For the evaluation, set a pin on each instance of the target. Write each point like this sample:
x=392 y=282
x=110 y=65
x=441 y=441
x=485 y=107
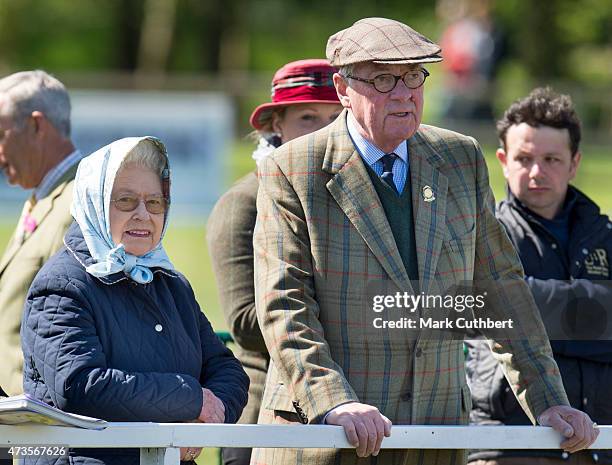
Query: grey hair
x=30 y=91
x=148 y=154
x=346 y=70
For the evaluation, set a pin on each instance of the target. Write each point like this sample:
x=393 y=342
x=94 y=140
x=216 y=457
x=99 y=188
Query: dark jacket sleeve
x=575 y=312
x=222 y=373
x=550 y=294
x=59 y=334
x=230 y=243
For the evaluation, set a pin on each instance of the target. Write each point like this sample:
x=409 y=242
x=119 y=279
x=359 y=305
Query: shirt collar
x=368 y=150
x=54 y=174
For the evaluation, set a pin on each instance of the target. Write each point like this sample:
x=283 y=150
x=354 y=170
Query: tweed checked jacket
x=18 y=267
x=322 y=238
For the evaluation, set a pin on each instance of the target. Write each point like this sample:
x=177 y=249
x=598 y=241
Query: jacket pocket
x=457 y=256
x=461 y=242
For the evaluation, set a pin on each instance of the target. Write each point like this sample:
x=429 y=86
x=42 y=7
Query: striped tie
x=387 y=175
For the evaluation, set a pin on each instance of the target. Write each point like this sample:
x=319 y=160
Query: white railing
x=159 y=443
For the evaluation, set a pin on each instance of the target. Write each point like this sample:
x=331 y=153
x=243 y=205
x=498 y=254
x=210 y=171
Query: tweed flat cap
x=380 y=40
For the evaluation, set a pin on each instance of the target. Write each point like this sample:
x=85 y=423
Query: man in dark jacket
x=564 y=243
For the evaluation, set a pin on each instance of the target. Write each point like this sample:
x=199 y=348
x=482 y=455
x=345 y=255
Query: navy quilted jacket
x=114 y=349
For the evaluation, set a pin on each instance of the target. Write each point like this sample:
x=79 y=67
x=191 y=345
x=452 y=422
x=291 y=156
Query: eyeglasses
x=154 y=205
x=385 y=83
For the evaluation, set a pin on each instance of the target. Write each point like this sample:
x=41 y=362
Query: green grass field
x=186 y=245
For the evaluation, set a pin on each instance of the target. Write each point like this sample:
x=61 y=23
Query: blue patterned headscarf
x=91 y=205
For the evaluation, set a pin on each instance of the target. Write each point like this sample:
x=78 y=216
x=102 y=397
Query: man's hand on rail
x=363 y=425
x=574 y=424
x=213 y=410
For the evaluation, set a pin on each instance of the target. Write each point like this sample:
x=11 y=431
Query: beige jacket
x=21 y=261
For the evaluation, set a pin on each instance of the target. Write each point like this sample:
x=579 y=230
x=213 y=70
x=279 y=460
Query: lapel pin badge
x=428 y=194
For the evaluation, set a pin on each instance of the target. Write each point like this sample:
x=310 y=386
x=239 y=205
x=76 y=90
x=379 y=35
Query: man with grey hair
x=36 y=153
x=377 y=200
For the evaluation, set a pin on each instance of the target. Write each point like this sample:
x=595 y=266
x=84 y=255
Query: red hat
x=303 y=81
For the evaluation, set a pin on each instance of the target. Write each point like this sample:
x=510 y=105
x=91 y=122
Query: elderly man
x=35 y=153
x=377 y=197
x=565 y=245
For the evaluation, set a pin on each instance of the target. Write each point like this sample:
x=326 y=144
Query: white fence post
x=160 y=456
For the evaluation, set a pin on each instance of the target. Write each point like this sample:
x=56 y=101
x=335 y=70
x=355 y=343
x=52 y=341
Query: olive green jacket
x=229 y=234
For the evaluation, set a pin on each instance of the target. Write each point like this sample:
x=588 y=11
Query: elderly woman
x=110 y=329
x=303 y=100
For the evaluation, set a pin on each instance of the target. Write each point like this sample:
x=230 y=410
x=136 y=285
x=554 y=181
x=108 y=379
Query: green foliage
x=551 y=38
x=566 y=43
x=65 y=35
x=58 y=34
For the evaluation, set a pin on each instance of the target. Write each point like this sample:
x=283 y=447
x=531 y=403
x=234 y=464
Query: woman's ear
x=277 y=124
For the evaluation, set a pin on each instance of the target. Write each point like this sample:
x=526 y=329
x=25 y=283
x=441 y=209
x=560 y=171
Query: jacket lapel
x=352 y=189
x=429 y=192
x=38 y=214
x=11 y=249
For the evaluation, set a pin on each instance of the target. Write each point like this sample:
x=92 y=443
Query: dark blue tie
x=387 y=175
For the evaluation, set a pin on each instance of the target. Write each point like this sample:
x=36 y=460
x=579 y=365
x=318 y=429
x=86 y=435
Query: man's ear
x=503 y=160
x=39 y=122
x=341 y=88
x=574 y=164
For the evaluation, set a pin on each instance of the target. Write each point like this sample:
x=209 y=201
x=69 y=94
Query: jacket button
x=585 y=251
x=553 y=246
x=609 y=226
x=158 y=328
x=406 y=396
x=419 y=352
x=301 y=415
x=564 y=455
x=585 y=401
x=595 y=457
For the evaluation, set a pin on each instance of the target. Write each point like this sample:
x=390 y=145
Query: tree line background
x=235 y=45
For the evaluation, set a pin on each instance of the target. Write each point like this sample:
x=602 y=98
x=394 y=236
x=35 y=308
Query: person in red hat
x=303 y=100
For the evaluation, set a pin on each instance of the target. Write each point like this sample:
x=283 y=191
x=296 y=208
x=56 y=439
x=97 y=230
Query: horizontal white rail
x=174 y=435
